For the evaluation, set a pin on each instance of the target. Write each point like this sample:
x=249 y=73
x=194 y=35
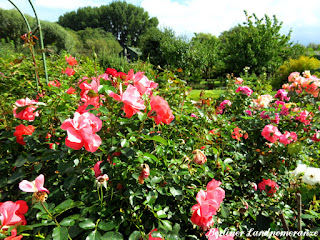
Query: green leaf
x=142 y=117
x=67 y=222
x=20 y=161
x=161 y=214
x=113 y=236
x=224 y=211
x=153 y=157
x=60 y=233
x=64 y=206
x=124 y=143
x=106 y=226
x=166 y=225
x=136 y=235
x=87 y=224
x=16 y=176
x=159 y=139
x=175 y=192
x=94 y=235
x=307 y=216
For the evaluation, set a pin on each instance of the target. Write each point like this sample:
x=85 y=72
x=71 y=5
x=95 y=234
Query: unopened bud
x=199 y=157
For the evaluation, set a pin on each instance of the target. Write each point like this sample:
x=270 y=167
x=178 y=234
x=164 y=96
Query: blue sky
x=186 y=17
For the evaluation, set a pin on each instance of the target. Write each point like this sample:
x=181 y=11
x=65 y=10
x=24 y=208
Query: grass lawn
x=195 y=94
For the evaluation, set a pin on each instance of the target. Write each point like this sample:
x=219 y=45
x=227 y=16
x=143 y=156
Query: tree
x=257 y=44
x=125 y=21
x=205 y=54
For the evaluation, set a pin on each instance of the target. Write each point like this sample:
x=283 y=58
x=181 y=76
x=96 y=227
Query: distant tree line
x=125 y=21
x=256 y=43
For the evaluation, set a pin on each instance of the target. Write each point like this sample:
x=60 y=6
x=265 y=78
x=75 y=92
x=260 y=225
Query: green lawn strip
x=195 y=94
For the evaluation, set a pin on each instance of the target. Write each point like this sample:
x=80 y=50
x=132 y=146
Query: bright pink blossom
x=288 y=137
x=245 y=90
x=89 y=93
x=68 y=71
x=12 y=214
x=224 y=103
x=71 y=60
x=193 y=115
x=82 y=131
x=269 y=186
x=282 y=95
x=271 y=133
x=34 y=186
x=131 y=99
x=160 y=110
x=25 y=108
x=249 y=112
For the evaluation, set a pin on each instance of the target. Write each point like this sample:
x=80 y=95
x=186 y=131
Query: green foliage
x=257 y=44
x=125 y=21
x=294 y=65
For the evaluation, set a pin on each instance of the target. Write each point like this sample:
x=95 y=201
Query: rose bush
x=120 y=154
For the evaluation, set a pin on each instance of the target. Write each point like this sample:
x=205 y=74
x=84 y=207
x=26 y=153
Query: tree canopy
x=257 y=44
x=125 y=21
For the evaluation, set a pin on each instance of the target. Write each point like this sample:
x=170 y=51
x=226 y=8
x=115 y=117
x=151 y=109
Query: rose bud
x=199 y=157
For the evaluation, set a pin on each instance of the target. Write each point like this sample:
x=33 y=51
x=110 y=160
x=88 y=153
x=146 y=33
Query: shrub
x=294 y=65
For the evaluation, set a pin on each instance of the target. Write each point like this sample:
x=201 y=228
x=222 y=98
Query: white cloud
x=67 y=4
x=217 y=16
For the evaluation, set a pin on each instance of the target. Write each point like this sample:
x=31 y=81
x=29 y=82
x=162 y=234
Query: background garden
x=116 y=129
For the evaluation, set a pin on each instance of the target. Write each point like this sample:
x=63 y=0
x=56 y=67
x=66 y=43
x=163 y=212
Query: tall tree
x=125 y=21
x=257 y=44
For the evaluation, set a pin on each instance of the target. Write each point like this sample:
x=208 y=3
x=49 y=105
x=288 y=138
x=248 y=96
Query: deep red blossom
x=23 y=130
x=269 y=186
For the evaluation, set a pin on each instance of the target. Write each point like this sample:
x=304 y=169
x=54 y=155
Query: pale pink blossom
x=34 y=186
x=238 y=81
